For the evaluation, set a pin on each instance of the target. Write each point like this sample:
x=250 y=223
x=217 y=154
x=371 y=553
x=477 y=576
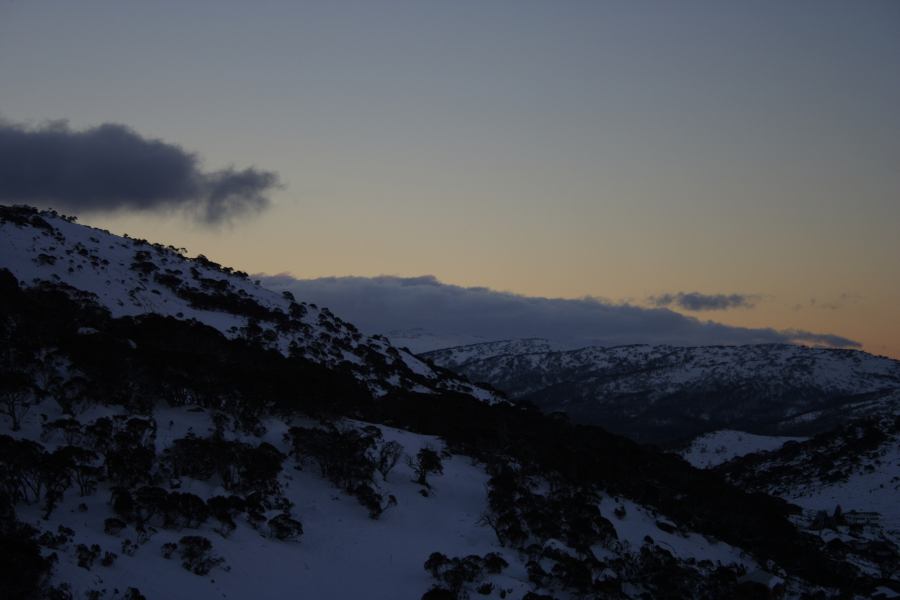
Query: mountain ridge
x=667 y=393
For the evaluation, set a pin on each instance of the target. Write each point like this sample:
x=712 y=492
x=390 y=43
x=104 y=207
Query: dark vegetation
x=455 y=575
x=348 y=458
x=24 y=570
x=428 y=462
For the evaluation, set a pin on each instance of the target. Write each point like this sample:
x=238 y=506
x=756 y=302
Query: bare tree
x=16 y=397
x=388 y=456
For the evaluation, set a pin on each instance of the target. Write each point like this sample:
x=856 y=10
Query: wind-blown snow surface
x=133 y=277
x=713 y=449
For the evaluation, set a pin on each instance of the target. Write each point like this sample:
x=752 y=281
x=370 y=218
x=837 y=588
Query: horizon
x=731 y=163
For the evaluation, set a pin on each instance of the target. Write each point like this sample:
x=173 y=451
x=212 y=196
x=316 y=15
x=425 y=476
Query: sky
x=730 y=161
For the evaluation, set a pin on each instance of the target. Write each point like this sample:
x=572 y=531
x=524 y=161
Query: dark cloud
x=449 y=312
x=111 y=168
x=696 y=301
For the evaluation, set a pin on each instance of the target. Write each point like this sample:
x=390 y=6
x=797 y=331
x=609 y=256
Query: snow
x=342 y=554
x=834 y=371
x=456 y=356
x=876 y=490
x=416 y=365
x=640 y=522
x=712 y=449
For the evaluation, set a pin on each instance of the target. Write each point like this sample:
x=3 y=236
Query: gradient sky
x=614 y=149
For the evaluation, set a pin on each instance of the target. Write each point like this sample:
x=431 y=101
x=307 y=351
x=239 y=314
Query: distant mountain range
x=666 y=394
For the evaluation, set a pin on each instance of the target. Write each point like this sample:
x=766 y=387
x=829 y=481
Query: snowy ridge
x=418 y=340
x=133 y=277
x=459 y=356
x=666 y=393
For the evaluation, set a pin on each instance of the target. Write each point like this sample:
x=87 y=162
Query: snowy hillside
x=713 y=449
x=459 y=356
x=856 y=467
x=667 y=393
x=168 y=429
x=385 y=556
x=133 y=277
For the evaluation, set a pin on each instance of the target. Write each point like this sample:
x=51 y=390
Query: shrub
x=168 y=549
x=87 y=555
x=113 y=526
x=455 y=573
x=129 y=548
x=388 y=456
x=284 y=527
x=428 y=461
x=196 y=554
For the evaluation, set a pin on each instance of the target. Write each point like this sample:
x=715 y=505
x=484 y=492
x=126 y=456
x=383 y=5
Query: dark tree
x=428 y=461
x=388 y=456
x=23 y=571
x=17 y=396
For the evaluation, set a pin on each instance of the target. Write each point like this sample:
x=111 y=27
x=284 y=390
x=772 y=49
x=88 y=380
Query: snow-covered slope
x=856 y=467
x=713 y=449
x=342 y=553
x=457 y=357
x=168 y=429
x=133 y=277
x=666 y=393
